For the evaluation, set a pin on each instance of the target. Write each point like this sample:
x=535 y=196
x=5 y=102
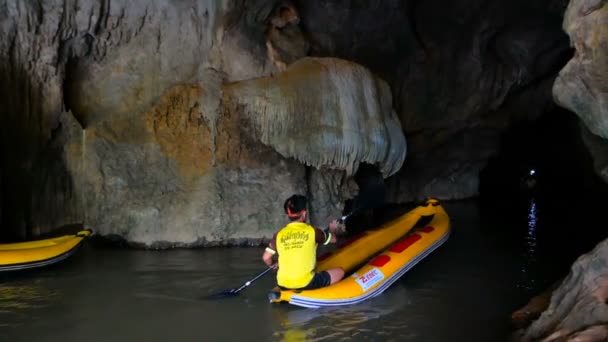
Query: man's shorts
x=320 y=279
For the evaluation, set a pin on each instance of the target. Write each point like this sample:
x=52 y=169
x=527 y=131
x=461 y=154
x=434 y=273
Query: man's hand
x=336 y=227
x=267 y=257
x=341 y=227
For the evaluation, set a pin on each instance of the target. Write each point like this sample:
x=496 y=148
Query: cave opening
x=545 y=158
x=542 y=196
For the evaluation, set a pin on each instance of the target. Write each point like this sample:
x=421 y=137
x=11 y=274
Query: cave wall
x=460 y=73
x=598 y=148
x=124 y=125
x=582 y=85
x=112 y=117
x=142 y=120
x=575 y=308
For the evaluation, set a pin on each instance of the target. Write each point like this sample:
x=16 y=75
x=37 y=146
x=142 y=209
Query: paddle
x=359 y=206
x=345 y=217
x=235 y=291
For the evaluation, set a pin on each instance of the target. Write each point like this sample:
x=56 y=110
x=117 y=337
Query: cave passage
x=545 y=158
x=542 y=191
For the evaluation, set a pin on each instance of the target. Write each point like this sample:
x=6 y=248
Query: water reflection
x=463 y=292
x=528 y=277
x=340 y=323
x=17 y=302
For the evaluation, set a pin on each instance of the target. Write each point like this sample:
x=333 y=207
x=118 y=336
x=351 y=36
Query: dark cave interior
x=543 y=190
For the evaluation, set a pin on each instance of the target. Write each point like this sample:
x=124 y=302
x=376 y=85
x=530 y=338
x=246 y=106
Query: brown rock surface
x=577 y=310
x=114 y=112
x=132 y=74
x=163 y=180
x=582 y=85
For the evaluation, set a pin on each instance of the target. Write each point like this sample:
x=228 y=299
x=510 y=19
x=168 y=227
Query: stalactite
x=325 y=112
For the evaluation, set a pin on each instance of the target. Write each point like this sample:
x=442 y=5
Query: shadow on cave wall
x=35 y=188
x=16 y=146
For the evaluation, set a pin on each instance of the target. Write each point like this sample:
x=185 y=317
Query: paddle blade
x=223 y=294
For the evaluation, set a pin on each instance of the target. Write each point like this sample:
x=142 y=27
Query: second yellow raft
x=39 y=253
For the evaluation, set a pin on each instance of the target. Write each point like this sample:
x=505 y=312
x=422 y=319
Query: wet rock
x=581 y=85
x=577 y=310
x=524 y=316
x=598 y=148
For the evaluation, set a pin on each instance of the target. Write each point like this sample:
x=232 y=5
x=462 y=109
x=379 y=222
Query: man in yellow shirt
x=296 y=248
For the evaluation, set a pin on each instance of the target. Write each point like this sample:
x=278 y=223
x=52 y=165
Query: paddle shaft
x=252 y=280
x=343 y=218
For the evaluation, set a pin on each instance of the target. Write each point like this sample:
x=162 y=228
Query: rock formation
x=582 y=85
x=127 y=129
x=577 y=310
x=173 y=177
x=328 y=113
x=324 y=112
x=139 y=89
x=598 y=149
x=184 y=123
x=460 y=72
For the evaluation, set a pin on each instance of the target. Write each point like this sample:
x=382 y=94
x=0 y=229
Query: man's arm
x=270 y=252
x=268 y=259
x=335 y=229
x=329 y=235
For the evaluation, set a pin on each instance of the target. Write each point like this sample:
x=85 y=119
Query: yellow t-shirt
x=296 y=245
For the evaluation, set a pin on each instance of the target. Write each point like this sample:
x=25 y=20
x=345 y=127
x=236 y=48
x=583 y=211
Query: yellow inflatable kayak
x=390 y=251
x=38 y=253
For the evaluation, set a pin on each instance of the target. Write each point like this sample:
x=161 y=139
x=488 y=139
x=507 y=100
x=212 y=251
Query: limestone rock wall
x=174 y=183
x=460 y=73
x=577 y=309
x=582 y=85
x=115 y=117
x=325 y=112
x=598 y=148
x=158 y=120
x=112 y=117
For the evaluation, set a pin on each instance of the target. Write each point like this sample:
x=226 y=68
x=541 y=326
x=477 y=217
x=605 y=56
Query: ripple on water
x=363 y=321
x=17 y=301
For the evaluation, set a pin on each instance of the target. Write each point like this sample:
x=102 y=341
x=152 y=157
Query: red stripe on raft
x=405 y=243
x=380 y=260
x=427 y=229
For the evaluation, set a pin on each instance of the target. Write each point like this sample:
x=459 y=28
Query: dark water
x=466 y=290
